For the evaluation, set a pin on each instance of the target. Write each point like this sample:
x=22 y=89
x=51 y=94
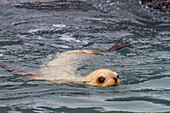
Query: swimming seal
x=62 y=69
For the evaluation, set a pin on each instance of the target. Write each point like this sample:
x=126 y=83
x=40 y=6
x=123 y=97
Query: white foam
x=62 y=46
x=59 y=25
x=85 y=41
x=68 y=38
x=33 y=30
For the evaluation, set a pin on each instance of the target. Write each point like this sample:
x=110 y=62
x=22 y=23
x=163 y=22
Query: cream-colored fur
x=62 y=70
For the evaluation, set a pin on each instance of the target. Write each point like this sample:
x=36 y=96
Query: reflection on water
x=31 y=30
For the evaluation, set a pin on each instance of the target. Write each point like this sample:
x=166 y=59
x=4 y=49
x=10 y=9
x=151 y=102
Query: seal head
x=102 y=78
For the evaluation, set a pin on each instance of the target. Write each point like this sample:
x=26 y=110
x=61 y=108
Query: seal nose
x=115 y=79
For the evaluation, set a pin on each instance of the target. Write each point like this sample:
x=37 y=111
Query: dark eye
x=101 y=79
x=117 y=76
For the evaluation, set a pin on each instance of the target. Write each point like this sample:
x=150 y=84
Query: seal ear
x=85 y=80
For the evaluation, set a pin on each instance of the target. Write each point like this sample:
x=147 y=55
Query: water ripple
x=31 y=30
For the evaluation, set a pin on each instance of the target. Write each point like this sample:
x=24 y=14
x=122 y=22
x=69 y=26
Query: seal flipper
x=119 y=44
x=17 y=72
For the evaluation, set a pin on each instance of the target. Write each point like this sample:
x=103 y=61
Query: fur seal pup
x=62 y=69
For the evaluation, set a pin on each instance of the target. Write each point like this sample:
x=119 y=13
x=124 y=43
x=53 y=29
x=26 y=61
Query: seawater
x=31 y=30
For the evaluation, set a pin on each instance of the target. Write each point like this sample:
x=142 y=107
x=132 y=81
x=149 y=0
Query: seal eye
x=101 y=79
x=117 y=76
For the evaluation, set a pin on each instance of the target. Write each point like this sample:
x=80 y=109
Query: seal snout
x=115 y=79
